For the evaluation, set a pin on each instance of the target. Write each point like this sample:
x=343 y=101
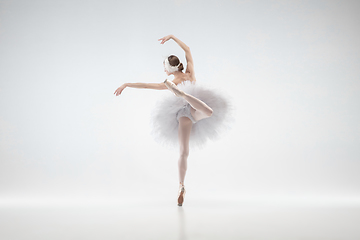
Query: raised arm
x=156 y=86
x=188 y=56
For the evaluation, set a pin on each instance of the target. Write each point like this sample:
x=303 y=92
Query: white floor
x=196 y=219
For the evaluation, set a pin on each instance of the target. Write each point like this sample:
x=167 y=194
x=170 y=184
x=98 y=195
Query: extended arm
x=180 y=43
x=156 y=86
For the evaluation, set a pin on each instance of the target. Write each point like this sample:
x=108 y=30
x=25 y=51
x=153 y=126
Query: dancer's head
x=172 y=64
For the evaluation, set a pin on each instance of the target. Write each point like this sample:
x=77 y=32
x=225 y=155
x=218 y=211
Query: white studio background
x=291 y=69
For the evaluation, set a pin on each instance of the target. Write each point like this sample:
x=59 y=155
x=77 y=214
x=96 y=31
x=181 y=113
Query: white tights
x=199 y=110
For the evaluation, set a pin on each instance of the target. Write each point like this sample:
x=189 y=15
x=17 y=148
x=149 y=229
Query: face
x=167 y=73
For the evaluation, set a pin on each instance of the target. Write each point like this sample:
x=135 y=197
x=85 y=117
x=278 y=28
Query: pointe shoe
x=181 y=195
x=172 y=87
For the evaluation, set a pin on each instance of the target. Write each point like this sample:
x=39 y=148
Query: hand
x=120 y=89
x=164 y=39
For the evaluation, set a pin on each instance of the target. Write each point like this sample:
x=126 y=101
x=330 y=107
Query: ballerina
x=176 y=117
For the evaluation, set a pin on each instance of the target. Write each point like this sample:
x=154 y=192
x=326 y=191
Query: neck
x=177 y=73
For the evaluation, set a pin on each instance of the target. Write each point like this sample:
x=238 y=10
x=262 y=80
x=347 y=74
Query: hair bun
x=181 y=67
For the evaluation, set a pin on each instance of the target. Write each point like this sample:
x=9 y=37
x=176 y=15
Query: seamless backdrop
x=291 y=69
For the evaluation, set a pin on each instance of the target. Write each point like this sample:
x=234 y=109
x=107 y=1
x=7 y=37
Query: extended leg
x=199 y=109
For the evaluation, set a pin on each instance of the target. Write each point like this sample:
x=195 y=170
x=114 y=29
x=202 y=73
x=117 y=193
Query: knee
x=208 y=113
x=184 y=153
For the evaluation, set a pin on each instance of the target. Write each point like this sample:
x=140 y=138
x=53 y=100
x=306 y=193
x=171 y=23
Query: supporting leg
x=185 y=125
x=184 y=130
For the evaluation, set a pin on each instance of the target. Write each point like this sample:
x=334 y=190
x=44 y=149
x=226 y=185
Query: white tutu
x=164 y=117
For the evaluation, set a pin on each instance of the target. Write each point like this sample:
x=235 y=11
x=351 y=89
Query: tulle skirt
x=164 y=117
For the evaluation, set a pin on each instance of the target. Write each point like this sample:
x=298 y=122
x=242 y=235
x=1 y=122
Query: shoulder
x=185 y=78
x=190 y=77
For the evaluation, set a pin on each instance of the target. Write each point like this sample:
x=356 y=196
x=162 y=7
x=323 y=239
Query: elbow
x=163 y=86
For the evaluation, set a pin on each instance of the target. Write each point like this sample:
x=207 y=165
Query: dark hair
x=174 y=61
